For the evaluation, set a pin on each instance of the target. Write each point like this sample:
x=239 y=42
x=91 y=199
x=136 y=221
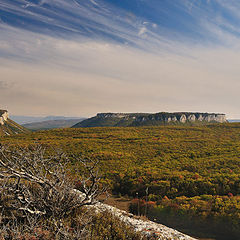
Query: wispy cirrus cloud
x=88 y=77
x=150 y=25
x=83 y=57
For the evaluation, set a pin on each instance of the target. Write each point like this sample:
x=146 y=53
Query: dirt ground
x=121 y=203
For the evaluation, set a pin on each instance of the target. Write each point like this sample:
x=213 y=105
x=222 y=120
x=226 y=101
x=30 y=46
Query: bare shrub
x=37 y=195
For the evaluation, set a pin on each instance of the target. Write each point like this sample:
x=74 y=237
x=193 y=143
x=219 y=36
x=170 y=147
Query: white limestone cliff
x=3 y=116
x=181 y=117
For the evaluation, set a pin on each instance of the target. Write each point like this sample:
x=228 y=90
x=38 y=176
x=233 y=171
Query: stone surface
x=183 y=118
x=147 y=228
x=3 y=116
x=149 y=119
x=191 y=118
x=9 y=127
x=168 y=117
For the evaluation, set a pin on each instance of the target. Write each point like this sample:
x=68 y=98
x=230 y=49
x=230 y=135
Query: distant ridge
x=51 y=124
x=233 y=120
x=9 y=127
x=30 y=119
x=148 y=119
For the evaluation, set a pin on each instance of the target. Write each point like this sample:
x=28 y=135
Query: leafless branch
x=35 y=184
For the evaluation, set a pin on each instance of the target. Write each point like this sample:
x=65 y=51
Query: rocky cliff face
x=183 y=117
x=3 y=116
x=9 y=127
x=143 y=119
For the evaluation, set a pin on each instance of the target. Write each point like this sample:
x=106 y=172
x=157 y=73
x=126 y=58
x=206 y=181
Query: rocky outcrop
x=121 y=115
x=145 y=228
x=3 y=116
x=9 y=127
x=148 y=119
x=168 y=117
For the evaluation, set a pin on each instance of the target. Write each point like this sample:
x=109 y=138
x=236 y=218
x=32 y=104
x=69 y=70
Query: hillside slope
x=9 y=127
x=147 y=119
x=24 y=119
x=50 y=124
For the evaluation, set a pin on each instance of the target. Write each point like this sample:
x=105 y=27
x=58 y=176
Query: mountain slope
x=9 y=127
x=147 y=119
x=30 y=119
x=50 y=124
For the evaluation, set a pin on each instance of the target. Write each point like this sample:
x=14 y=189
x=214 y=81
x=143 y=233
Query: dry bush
x=37 y=198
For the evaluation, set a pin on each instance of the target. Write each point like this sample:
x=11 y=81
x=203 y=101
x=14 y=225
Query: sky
x=82 y=57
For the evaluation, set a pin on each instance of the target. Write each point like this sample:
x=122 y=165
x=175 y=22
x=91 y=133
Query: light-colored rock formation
x=150 y=119
x=215 y=118
x=174 y=119
x=3 y=116
x=191 y=118
x=146 y=228
x=200 y=117
x=113 y=115
x=9 y=127
x=183 y=118
x=169 y=119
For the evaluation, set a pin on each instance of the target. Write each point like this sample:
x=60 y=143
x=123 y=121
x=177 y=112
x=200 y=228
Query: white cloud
x=154 y=25
x=93 y=2
x=142 y=31
x=80 y=76
x=85 y=77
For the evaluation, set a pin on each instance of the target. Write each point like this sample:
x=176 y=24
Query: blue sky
x=79 y=57
x=125 y=21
